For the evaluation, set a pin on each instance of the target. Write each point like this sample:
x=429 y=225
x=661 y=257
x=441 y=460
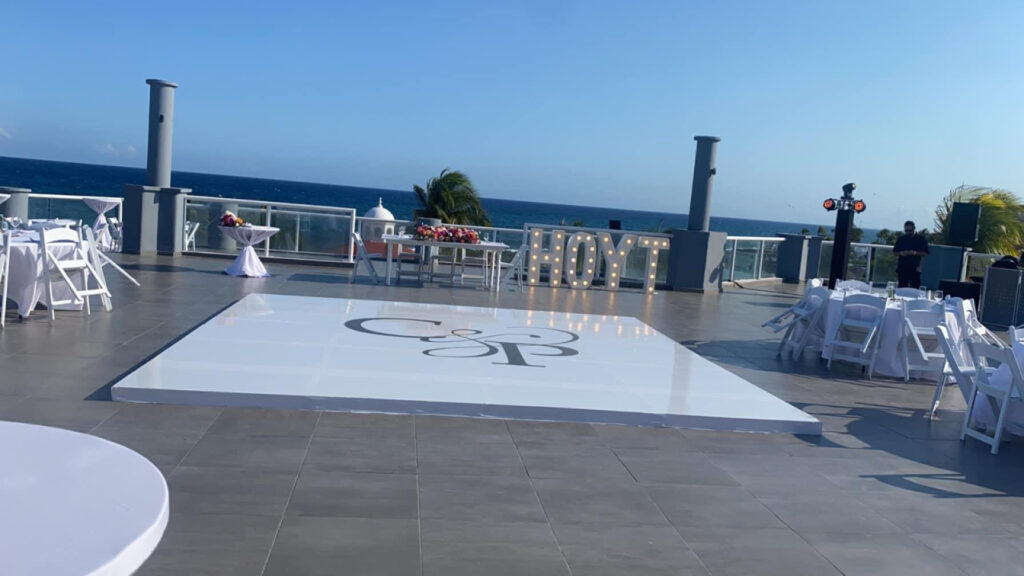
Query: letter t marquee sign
x=578 y=257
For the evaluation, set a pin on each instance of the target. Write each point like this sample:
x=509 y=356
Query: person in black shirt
x=909 y=248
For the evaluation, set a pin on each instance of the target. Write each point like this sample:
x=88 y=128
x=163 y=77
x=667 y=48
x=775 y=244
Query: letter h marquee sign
x=574 y=259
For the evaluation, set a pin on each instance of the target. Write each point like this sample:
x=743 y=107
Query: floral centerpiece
x=447 y=234
x=230 y=220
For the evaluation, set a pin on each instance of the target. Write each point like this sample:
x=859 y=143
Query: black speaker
x=615 y=224
x=963 y=224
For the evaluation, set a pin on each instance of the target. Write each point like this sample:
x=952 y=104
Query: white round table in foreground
x=73 y=504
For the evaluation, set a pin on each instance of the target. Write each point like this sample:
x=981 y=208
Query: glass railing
x=871 y=263
x=750 y=258
x=69 y=206
x=307 y=232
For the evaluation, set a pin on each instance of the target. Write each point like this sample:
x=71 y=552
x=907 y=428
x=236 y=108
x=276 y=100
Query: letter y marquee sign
x=575 y=259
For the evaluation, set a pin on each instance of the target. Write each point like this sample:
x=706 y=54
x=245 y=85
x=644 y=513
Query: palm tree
x=1001 y=226
x=452 y=199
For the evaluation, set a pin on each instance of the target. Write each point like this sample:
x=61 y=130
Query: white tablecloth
x=76 y=504
x=248 y=263
x=889 y=361
x=100 y=205
x=26 y=284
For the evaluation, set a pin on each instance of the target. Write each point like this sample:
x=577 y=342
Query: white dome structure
x=379 y=212
x=377 y=221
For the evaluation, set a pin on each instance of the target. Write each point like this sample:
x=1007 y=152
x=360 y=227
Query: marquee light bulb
x=615 y=264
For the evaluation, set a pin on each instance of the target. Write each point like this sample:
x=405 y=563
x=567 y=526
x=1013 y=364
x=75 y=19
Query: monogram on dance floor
x=515 y=343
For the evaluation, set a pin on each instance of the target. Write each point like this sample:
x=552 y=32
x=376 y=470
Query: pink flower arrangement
x=447 y=234
x=230 y=220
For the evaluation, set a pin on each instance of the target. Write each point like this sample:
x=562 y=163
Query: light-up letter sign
x=551 y=257
x=580 y=264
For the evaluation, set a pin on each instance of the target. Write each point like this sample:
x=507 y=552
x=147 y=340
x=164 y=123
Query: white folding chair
x=857 y=333
x=853 y=286
x=959 y=366
x=5 y=271
x=999 y=397
x=920 y=317
x=116 y=235
x=444 y=256
x=362 y=256
x=75 y=261
x=971 y=325
x=799 y=321
x=515 y=268
x=909 y=293
x=190 y=236
x=100 y=260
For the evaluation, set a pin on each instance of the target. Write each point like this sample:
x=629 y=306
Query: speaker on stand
x=963 y=227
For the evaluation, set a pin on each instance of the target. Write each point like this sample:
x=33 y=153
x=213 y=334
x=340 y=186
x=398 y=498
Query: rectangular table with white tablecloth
x=492 y=250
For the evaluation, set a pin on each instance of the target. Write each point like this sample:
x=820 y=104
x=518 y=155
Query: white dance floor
x=364 y=355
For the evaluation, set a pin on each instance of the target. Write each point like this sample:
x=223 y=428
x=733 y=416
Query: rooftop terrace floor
x=882 y=491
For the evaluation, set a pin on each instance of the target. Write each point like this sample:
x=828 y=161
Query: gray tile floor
x=883 y=491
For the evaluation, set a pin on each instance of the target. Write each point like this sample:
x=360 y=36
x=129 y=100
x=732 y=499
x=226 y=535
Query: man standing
x=909 y=249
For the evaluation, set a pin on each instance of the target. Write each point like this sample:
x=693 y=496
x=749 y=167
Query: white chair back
x=190 y=235
x=971 y=325
x=909 y=293
x=920 y=317
x=75 y=261
x=362 y=256
x=853 y=286
x=959 y=364
x=856 y=335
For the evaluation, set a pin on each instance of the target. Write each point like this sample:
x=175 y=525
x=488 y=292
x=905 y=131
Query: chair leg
x=49 y=295
x=939 y=387
x=968 y=413
x=85 y=287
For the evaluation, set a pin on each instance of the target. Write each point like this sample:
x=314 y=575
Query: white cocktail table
x=248 y=263
x=72 y=504
x=100 y=205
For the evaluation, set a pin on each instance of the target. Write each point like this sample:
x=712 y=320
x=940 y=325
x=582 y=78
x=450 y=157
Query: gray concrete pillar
x=792 y=258
x=141 y=214
x=695 y=261
x=217 y=239
x=161 y=132
x=170 y=228
x=703 y=179
x=17 y=205
x=154 y=219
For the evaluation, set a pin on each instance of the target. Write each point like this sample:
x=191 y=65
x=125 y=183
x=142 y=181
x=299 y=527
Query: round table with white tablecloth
x=248 y=263
x=74 y=504
x=26 y=283
x=889 y=361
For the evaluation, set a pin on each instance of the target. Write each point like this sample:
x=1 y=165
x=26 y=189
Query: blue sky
x=586 y=102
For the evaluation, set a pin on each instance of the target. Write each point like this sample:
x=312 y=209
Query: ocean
x=44 y=176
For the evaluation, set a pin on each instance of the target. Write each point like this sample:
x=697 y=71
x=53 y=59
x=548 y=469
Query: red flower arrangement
x=447 y=234
x=230 y=220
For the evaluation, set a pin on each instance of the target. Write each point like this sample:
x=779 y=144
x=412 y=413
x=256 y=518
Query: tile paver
x=254 y=492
